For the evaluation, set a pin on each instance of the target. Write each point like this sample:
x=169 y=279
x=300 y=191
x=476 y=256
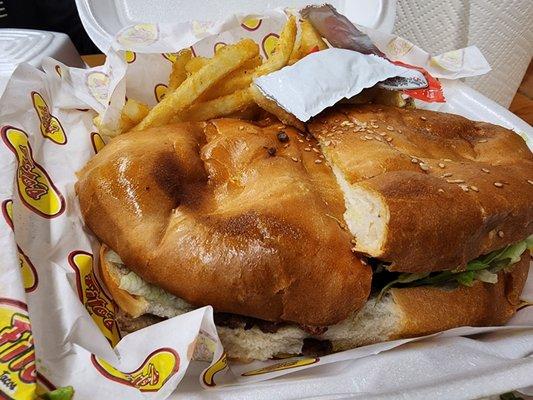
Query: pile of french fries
x=200 y=89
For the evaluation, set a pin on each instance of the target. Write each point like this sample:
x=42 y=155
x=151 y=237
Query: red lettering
x=20 y=324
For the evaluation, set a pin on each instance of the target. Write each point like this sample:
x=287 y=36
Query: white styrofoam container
x=32 y=46
x=103 y=19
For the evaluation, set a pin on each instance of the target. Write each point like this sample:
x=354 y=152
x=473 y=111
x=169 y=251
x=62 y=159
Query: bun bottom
x=401 y=313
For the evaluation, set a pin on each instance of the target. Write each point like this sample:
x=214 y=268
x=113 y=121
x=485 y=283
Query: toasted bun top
x=226 y=214
x=453 y=188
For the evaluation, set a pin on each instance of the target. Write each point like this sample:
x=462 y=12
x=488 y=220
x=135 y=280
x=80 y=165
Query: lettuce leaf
x=484 y=268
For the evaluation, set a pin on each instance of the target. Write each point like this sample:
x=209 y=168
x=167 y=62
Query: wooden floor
x=522 y=104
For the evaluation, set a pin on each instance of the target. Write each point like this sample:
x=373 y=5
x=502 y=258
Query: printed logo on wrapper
x=50 y=126
x=251 y=24
x=218 y=46
x=17 y=353
x=28 y=271
x=282 y=366
x=159 y=91
x=151 y=375
x=35 y=187
x=170 y=56
x=269 y=44
x=97 y=142
x=398 y=47
x=208 y=376
x=130 y=56
x=98 y=304
x=98 y=85
x=139 y=34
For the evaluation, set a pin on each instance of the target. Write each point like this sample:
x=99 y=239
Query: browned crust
x=214 y=216
x=434 y=224
x=427 y=309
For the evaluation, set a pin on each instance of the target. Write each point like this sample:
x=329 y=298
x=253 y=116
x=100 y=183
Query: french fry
x=228 y=59
x=179 y=73
x=310 y=41
x=195 y=64
x=132 y=113
x=271 y=106
x=219 y=107
x=282 y=51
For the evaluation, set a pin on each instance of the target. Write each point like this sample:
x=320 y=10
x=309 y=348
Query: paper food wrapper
x=57 y=322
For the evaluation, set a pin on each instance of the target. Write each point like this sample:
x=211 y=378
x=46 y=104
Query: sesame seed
x=381 y=133
x=370 y=131
x=424 y=166
x=446 y=159
x=390 y=128
x=464 y=187
x=500 y=234
x=389 y=139
x=423 y=118
x=300 y=140
x=530 y=181
x=414 y=160
x=368 y=137
x=294 y=159
x=321 y=155
x=378 y=138
x=440 y=190
x=353 y=241
x=327 y=142
x=241 y=128
x=286 y=145
x=482 y=141
x=317 y=161
x=447 y=175
x=307 y=149
x=485 y=170
x=345 y=123
x=455 y=181
x=474 y=188
x=442 y=165
x=316 y=150
x=498 y=184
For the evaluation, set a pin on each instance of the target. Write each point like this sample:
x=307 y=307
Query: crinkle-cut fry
x=179 y=73
x=282 y=51
x=219 y=107
x=310 y=41
x=195 y=64
x=228 y=59
x=272 y=107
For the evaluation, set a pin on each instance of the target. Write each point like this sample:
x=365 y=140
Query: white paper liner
x=71 y=315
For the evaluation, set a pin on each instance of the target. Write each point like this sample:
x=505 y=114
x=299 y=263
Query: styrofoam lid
x=31 y=46
x=102 y=20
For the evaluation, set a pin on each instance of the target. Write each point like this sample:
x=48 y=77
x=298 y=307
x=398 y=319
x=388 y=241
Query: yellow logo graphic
x=170 y=56
x=50 y=126
x=129 y=56
x=398 y=47
x=98 y=84
x=29 y=274
x=140 y=34
x=97 y=141
x=283 y=365
x=221 y=364
x=159 y=91
x=218 y=46
x=17 y=354
x=269 y=44
x=153 y=373
x=35 y=187
x=98 y=304
x=251 y=24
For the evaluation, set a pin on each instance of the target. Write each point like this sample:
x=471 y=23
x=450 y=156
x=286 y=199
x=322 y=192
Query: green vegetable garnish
x=484 y=268
x=63 y=393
